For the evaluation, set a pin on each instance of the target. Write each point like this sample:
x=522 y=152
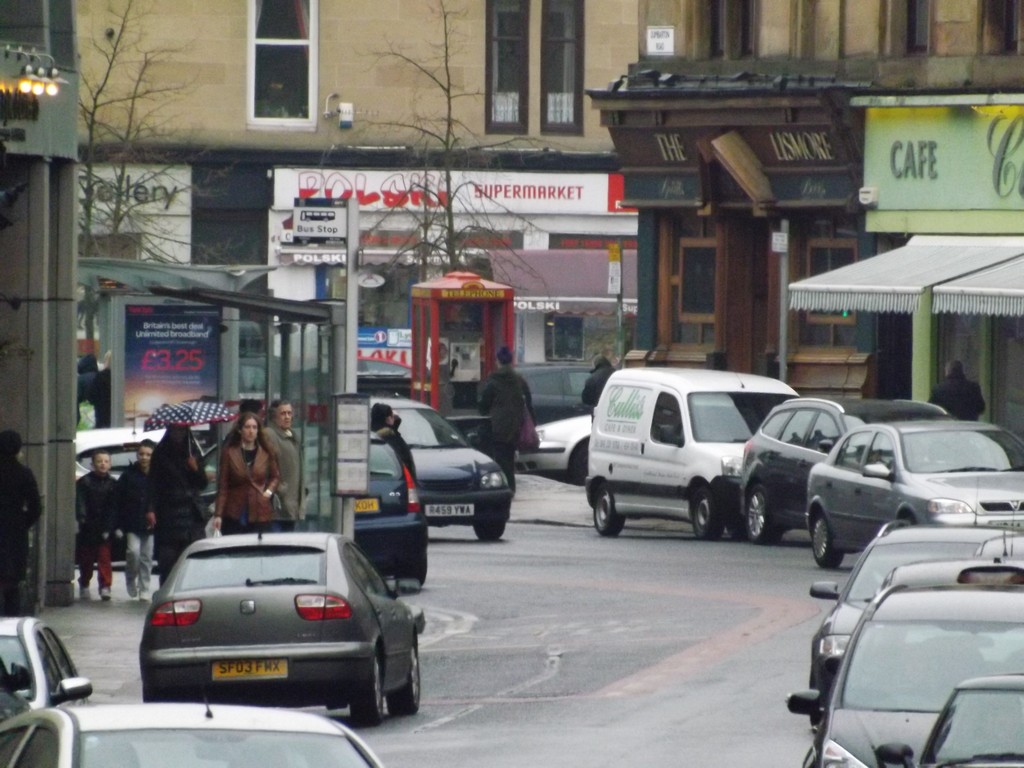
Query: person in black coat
x=604 y=367
x=505 y=398
x=385 y=422
x=176 y=510
x=958 y=394
x=20 y=508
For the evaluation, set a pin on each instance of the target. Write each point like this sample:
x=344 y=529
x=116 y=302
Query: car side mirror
x=895 y=753
x=826 y=445
x=398 y=587
x=825 y=590
x=804 y=702
x=877 y=471
x=73 y=689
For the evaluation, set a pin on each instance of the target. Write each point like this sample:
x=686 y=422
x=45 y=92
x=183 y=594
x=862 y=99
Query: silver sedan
x=939 y=472
x=176 y=735
x=297 y=619
x=39 y=667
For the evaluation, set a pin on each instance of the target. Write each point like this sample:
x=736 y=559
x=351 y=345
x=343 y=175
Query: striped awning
x=894 y=281
x=998 y=290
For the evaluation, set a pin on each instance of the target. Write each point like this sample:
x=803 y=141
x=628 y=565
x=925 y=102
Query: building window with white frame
x=508 y=74
x=561 y=66
x=282 y=62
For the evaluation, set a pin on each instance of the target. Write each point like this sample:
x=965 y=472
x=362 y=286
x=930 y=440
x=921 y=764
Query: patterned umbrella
x=188 y=414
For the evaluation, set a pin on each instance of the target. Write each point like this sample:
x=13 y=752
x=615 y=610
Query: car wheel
x=367 y=707
x=706 y=520
x=406 y=700
x=577 y=469
x=823 y=544
x=418 y=569
x=150 y=693
x=760 y=529
x=607 y=521
x=489 y=531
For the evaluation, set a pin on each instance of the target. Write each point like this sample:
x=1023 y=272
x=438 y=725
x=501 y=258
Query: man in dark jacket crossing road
x=505 y=397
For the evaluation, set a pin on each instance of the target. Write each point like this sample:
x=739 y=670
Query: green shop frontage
x=944 y=193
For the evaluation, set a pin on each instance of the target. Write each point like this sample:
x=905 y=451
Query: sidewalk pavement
x=103 y=636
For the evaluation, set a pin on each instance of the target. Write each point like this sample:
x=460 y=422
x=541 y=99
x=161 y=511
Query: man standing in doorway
x=958 y=394
x=290 y=493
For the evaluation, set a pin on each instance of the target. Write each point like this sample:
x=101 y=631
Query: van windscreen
x=729 y=417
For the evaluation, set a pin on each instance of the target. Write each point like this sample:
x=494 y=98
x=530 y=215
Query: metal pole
x=351 y=293
x=784 y=303
x=620 y=334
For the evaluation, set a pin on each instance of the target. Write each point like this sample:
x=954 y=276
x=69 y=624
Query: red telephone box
x=459 y=322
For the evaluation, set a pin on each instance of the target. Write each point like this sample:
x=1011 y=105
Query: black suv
x=796 y=435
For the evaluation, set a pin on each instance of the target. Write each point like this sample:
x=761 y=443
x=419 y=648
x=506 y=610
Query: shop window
x=282 y=63
x=730 y=28
x=1002 y=26
x=828 y=329
x=918 y=18
x=693 y=298
x=563 y=338
x=561 y=66
x=507 y=66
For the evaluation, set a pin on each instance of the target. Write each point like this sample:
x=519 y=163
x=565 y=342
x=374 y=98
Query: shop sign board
x=937 y=158
x=492 y=192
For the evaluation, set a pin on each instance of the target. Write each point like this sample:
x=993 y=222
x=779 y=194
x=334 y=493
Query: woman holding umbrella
x=176 y=514
x=248 y=478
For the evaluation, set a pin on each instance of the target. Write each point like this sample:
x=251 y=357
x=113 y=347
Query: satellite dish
x=370 y=280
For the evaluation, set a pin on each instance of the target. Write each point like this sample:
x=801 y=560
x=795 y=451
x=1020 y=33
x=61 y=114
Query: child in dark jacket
x=95 y=510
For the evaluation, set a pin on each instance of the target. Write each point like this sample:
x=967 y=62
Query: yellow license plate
x=245 y=669
x=367 y=505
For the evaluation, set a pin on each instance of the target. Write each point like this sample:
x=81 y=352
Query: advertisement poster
x=172 y=354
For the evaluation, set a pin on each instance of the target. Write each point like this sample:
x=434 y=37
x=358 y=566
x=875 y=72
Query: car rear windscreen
x=252 y=566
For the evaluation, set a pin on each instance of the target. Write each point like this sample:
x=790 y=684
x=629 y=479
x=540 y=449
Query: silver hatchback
x=944 y=472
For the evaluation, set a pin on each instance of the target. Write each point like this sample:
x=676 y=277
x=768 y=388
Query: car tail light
x=177 y=613
x=746 y=448
x=414 y=495
x=322 y=607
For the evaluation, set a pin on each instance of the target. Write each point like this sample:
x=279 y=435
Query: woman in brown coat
x=248 y=478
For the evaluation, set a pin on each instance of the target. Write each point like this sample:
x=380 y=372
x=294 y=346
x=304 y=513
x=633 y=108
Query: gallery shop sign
x=941 y=158
x=157 y=190
x=475 y=192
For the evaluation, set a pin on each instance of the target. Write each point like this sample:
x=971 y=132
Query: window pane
x=717 y=26
x=1011 y=20
x=558 y=71
x=282 y=20
x=507 y=60
x=564 y=340
x=282 y=81
x=917 y=26
x=699 y=281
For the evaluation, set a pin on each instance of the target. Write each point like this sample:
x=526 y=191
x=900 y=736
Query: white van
x=668 y=443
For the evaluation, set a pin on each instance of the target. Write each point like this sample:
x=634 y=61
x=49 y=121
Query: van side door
x=663 y=477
